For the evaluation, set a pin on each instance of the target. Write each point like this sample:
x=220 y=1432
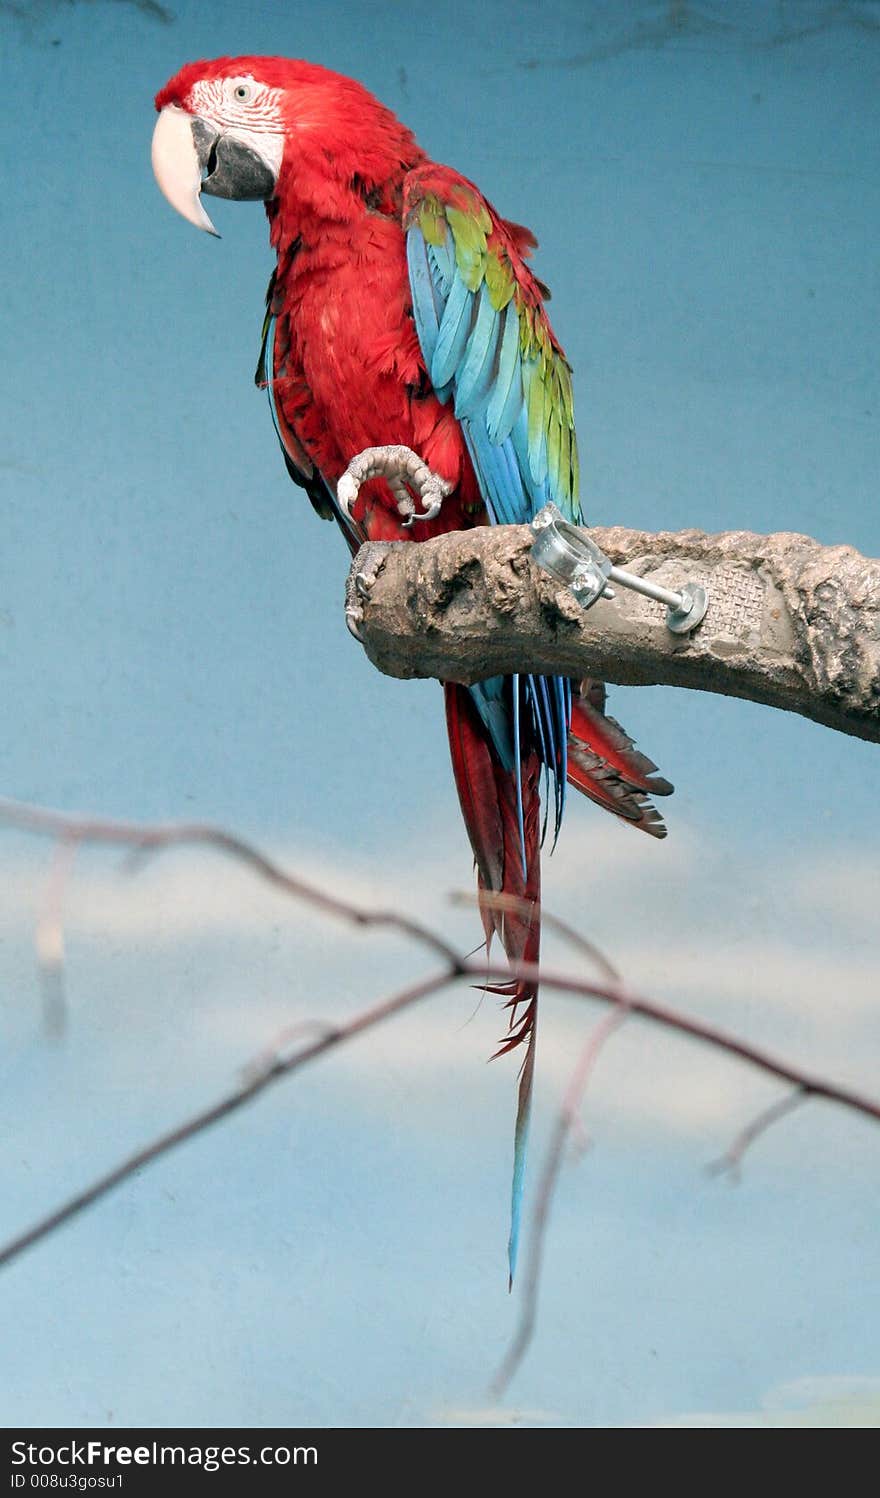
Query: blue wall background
x=704 y=183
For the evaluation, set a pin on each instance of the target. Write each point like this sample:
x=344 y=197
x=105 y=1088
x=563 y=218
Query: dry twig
x=730 y=1162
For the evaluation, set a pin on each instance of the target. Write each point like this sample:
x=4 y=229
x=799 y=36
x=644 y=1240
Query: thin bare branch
x=731 y=1161
x=145 y=838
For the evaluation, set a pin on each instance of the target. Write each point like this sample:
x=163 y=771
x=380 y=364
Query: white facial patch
x=249 y=110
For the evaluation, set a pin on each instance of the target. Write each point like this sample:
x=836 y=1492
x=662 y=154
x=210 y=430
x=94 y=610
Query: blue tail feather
x=520 y=1143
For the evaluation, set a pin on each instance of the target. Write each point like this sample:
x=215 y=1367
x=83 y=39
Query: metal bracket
x=568 y=554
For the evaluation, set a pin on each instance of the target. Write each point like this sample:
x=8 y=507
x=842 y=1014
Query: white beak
x=176 y=166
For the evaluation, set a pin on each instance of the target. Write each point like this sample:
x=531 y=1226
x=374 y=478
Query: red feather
x=605 y=765
x=489 y=804
x=488 y=796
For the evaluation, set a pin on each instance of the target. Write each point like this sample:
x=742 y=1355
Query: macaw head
x=253 y=127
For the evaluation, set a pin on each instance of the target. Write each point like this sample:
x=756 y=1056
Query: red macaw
x=402 y=311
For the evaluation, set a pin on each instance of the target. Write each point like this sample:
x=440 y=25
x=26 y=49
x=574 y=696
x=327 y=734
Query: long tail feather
x=520 y=1145
x=501 y=809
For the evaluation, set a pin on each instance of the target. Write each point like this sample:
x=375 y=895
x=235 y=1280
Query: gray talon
x=365 y=568
x=404 y=471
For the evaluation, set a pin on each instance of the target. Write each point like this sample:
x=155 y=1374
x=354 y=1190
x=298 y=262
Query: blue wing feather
x=554 y=452
x=454 y=330
x=472 y=351
x=427 y=303
x=533 y=450
x=475 y=371
x=500 y=480
x=506 y=397
x=442 y=262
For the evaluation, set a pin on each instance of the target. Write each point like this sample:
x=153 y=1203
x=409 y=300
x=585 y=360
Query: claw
x=347 y=490
x=364 y=570
x=353 y=620
x=405 y=472
x=408 y=509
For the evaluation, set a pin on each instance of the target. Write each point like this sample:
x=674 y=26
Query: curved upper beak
x=177 y=167
x=190 y=156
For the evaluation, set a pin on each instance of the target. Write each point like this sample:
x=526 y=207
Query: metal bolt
x=567 y=553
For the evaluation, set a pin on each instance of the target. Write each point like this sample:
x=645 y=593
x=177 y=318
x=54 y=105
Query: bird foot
x=364 y=570
x=409 y=478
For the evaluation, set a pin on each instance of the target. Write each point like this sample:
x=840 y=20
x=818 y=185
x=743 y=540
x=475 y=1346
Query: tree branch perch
x=791 y=623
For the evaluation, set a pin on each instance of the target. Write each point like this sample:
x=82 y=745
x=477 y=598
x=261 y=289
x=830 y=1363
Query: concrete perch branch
x=790 y=623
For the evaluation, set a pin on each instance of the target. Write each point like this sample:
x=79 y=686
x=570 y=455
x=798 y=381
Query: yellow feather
x=431 y=218
x=499 y=280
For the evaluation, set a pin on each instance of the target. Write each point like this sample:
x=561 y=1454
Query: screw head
x=691 y=611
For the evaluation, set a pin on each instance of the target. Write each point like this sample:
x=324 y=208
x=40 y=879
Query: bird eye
x=242 y=92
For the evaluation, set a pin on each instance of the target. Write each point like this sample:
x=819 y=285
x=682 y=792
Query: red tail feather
x=605 y=765
x=488 y=796
x=489 y=803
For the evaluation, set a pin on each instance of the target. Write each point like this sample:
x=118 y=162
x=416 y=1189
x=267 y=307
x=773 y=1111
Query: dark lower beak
x=232 y=169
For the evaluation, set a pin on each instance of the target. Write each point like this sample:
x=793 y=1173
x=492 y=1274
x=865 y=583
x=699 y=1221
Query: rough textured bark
x=790 y=623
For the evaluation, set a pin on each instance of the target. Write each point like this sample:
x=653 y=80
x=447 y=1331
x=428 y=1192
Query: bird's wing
x=489 y=348
x=487 y=343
